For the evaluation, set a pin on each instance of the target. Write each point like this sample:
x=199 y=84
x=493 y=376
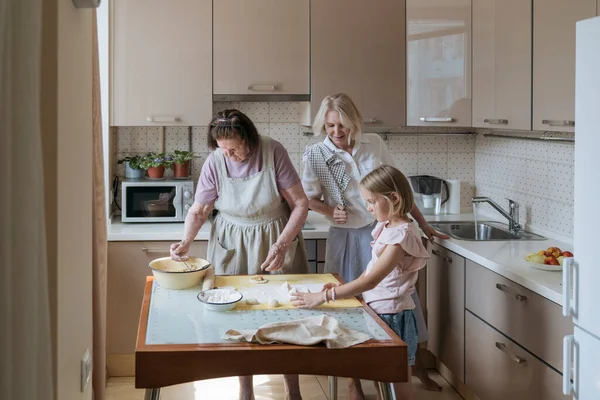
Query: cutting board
x=274 y=289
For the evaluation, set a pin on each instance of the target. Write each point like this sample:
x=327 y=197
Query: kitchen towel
x=453 y=203
x=305 y=332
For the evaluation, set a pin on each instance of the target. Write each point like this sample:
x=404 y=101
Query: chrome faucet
x=512 y=216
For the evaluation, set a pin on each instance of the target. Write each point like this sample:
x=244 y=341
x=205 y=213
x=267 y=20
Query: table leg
x=387 y=391
x=152 y=394
x=333 y=388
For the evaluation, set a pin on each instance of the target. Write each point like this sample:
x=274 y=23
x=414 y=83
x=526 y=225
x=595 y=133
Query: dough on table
x=273 y=303
x=258 y=279
x=251 y=301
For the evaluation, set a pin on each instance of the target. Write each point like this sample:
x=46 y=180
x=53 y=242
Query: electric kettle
x=430 y=193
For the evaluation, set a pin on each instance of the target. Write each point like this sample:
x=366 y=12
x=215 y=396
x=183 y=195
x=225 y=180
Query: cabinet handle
x=436 y=253
x=505 y=289
x=513 y=356
x=448 y=260
x=437 y=119
x=554 y=122
x=163 y=119
x=155 y=250
x=492 y=121
x=262 y=88
x=370 y=120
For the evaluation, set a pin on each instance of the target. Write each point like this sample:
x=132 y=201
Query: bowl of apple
x=550 y=259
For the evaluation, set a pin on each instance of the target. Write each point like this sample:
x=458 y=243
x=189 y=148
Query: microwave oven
x=165 y=200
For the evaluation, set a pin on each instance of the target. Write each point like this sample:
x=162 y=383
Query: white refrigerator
x=582 y=349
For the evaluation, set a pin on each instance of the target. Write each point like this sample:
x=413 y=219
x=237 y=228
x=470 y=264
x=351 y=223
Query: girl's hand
x=330 y=285
x=430 y=232
x=179 y=250
x=275 y=258
x=340 y=214
x=307 y=300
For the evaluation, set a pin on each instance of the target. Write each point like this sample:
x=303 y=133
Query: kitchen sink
x=482 y=231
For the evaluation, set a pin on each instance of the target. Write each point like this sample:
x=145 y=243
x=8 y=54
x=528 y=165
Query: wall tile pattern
x=445 y=157
x=538 y=175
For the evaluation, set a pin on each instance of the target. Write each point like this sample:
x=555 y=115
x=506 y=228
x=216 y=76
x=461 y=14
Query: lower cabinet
x=315 y=251
x=446 y=308
x=126 y=278
x=496 y=368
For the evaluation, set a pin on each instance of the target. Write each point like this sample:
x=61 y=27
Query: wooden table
x=178 y=342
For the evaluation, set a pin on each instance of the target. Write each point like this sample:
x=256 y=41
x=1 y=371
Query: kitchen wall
x=446 y=157
x=538 y=175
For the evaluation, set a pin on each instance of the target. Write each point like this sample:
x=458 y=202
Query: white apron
x=251 y=217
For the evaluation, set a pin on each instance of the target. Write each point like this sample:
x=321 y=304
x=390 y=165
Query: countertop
x=503 y=257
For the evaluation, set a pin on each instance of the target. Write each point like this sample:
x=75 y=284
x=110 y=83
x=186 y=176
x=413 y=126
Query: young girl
x=389 y=280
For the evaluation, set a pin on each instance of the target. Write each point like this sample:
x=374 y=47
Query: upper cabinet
x=261 y=47
x=358 y=47
x=502 y=64
x=439 y=62
x=554 y=61
x=161 y=62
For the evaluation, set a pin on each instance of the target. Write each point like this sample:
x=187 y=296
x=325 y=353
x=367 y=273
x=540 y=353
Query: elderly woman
x=261 y=205
x=332 y=172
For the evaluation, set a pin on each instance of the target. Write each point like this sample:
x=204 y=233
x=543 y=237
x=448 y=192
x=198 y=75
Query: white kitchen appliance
x=583 y=272
x=162 y=200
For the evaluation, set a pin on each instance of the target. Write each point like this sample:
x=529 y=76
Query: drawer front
x=446 y=308
x=531 y=320
x=496 y=368
x=311 y=249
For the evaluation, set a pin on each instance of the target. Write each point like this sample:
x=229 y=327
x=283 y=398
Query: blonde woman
x=332 y=172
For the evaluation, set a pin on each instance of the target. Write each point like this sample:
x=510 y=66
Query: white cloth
x=304 y=332
x=367 y=155
x=251 y=217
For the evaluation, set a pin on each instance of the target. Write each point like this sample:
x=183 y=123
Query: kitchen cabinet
x=366 y=62
x=438 y=62
x=126 y=277
x=529 y=319
x=261 y=47
x=497 y=368
x=446 y=308
x=161 y=62
x=554 y=61
x=315 y=251
x=502 y=64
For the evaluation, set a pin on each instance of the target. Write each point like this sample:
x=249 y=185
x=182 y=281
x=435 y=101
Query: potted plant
x=180 y=160
x=155 y=163
x=133 y=167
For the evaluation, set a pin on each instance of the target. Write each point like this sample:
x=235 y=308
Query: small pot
x=133 y=173
x=181 y=170
x=156 y=172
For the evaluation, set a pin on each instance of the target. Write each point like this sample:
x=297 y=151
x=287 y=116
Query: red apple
x=567 y=254
x=551 y=260
x=553 y=251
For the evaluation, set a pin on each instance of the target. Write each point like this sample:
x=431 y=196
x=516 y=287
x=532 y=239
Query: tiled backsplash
x=539 y=175
x=445 y=157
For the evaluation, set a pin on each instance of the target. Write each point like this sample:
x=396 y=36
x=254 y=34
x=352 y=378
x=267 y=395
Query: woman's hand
x=340 y=214
x=275 y=258
x=430 y=232
x=307 y=300
x=179 y=250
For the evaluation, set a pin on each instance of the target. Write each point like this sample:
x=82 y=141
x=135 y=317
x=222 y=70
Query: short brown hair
x=232 y=124
x=385 y=180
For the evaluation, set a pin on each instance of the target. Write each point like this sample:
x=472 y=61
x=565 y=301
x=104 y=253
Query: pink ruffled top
x=392 y=294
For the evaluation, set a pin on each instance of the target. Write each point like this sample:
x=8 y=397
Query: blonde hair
x=385 y=180
x=350 y=117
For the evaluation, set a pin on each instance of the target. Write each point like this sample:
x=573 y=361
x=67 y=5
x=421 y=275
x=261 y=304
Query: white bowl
x=230 y=299
x=172 y=274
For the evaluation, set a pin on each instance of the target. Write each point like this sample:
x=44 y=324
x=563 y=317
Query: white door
x=586 y=371
x=587 y=184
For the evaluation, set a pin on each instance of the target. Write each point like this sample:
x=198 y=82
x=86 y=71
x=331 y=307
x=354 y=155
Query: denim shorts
x=405 y=325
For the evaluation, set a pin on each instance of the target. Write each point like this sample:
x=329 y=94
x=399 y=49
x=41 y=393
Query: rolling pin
x=209 y=278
